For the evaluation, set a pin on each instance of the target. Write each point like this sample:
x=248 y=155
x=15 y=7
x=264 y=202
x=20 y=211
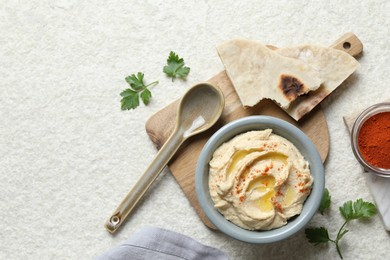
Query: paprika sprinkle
x=371 y=139
x=374 y=140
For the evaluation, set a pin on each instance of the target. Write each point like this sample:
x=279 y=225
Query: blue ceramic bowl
x=279 y=127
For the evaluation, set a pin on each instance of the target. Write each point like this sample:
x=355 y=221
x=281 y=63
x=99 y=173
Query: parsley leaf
x=325 y=201
x=347 y=210
x=130 y=99
x=175 y=67
x=145 y=96
x=359 y=209
x=317 y=235
x=364 y=209
x=130 y=96
x=136 y=82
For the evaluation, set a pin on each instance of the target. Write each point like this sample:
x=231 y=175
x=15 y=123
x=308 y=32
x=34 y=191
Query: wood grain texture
x=182 y=165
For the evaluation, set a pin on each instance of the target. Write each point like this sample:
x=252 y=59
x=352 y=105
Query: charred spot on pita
x=291 y=87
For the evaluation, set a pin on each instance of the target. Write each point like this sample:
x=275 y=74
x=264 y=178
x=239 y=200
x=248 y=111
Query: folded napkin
x=162 y=244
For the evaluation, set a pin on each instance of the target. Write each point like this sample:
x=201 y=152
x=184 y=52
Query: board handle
x=349 y=43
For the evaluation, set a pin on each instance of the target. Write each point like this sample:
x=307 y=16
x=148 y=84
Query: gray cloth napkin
x=162 y=244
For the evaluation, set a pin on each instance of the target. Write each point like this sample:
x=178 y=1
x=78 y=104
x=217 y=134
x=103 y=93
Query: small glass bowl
x=360 y=120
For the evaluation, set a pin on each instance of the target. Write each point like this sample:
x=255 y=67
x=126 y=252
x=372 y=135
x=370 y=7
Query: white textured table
x=68 y=154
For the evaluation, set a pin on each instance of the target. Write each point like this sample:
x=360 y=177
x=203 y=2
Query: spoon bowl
x=199 y=109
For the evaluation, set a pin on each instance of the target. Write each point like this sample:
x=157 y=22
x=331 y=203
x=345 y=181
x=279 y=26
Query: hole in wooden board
x=346 y=45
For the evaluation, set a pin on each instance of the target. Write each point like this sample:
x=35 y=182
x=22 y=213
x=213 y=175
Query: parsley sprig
x=350 y=211
x=131 y=96
x=175 y=67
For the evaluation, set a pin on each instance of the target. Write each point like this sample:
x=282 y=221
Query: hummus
x=258 y=180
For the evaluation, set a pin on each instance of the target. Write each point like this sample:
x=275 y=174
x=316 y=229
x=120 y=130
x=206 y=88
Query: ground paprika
x=374 y=140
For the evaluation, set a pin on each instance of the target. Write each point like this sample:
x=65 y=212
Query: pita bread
x=258 y=72
x=334 y=66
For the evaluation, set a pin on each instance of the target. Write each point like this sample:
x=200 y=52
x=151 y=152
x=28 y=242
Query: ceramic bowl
x=279 y=127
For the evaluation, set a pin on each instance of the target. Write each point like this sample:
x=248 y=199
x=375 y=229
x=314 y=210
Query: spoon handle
x=130 y=201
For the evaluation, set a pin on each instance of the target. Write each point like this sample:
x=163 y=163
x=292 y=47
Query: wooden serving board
x=182 y=165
